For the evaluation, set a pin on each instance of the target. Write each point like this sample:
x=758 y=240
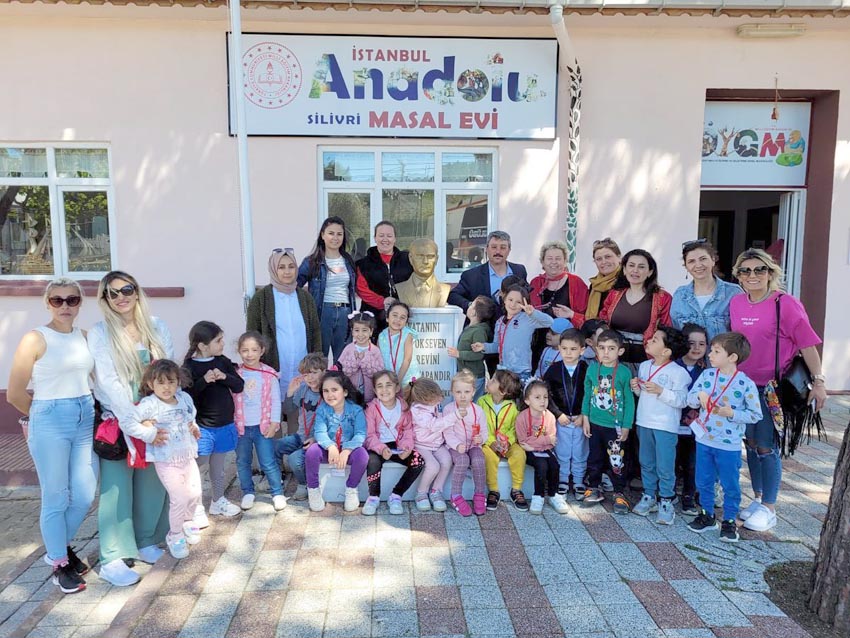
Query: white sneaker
x=352 y=499
x=645 y=505
x=200 y=518
x=117 y=573
x=300 y=493
x=150 y=554
x=178 y=548
x=749 y=510
x=314 y=496
x=370 y=507
x=279 y=502
x=559 y=504
x=247 y=502
x=394 y=503
x=536 y=505
x=761 y=520
x=193 y=534
x=223 y=507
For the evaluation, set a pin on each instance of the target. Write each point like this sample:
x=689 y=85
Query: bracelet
x=819 y=377
x=24 y=421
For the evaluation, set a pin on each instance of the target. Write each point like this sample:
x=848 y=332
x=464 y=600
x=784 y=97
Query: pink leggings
x=438 y=464
x=182 y=481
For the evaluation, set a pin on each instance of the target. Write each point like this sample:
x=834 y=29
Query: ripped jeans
x=763 y=458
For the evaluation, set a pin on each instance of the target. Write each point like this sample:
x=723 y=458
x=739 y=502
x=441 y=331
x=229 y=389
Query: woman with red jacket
x=557 y=292
x=637 y=305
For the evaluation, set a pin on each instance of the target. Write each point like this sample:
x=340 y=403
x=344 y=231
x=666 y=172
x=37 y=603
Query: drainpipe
x=570 y=62
x=237 y=81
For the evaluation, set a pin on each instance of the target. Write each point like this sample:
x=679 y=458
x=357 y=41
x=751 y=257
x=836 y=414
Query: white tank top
x=63 y=371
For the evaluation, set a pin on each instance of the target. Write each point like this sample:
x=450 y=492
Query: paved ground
x=300 y=574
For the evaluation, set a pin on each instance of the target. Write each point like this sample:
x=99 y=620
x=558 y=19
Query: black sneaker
x=67 y=579
x=74 y=561
x=729 y=532
x=519 y=500
x=493 y=499
x=592 y=495
x=702 y=523
x=621 y=504
x=563 y=489
x=689 y=506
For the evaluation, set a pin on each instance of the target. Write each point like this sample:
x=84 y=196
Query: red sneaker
x=460 y=504
x=479 y=504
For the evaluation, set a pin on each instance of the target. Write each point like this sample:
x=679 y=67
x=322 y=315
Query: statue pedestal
x=438 y=329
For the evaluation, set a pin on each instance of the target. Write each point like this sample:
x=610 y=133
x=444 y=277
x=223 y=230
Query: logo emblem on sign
x=273 y=75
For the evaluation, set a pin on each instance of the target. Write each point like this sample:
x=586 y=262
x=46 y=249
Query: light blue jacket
x=352 y=421
x=714 y=317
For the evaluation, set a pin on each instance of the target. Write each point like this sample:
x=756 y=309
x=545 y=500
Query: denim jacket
x=352 y=421
x=316 y=285
x=714 y=317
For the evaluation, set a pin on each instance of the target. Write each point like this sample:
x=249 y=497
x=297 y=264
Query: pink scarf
x=274 y=261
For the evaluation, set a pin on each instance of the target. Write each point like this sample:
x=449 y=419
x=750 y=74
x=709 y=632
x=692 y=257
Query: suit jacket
x=476 y=281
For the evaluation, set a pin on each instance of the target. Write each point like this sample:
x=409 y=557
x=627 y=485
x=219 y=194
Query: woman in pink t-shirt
x=754 y=315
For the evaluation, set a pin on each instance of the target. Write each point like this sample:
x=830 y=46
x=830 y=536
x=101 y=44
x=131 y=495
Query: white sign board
x=313 y=85
x=437 y=330
x=743 y=146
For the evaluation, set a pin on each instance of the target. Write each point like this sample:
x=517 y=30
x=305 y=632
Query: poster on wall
x=368 y=86
x=743 y=146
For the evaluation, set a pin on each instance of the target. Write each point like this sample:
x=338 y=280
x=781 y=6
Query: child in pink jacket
x=361 y=359
x=389 y=437
x=463 y=436
x=424 y=397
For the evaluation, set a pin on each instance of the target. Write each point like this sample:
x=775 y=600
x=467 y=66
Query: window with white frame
x=446 y=194
x=55 y=211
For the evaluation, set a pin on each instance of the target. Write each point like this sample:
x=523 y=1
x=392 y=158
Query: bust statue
x=423 y=290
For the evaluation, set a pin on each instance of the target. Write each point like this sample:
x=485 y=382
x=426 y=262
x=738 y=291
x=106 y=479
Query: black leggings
x=414 y=464
x=546 y=472
x=686 y=457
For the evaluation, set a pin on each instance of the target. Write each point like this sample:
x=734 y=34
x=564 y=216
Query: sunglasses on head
x=694 y=243
x=126 y=291
x=72 y=300
x=285 y=251
x=758 y=270
x=605 y=241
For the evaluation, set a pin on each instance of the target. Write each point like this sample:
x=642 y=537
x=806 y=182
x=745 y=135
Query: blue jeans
x=713 y=464
x=763 y=458
x=293 y=447
x=572 y=448
x=479 y=389
x=60 y=442
x=245 y=446
x=334 y=324
x=657 y=455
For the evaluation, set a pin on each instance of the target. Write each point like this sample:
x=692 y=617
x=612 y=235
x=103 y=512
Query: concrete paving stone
x=792 y=551
x=695 y=591
x=20 y=615
x=525 y=595
x=468 y=555
x=627 y=616
x=431 y=575
x=205 y=627
x=568 y=595
x=184 y=583
x=537 y=538
x=52 y=632
x=228 y=580
x=359 y=600
x=622 y=551
x=716 y=614
x=394 y=624
x=596 y=571
x=578 y=621
x=396 y=539
x=38 y=572
x=393 y=598
x=637 y=570
x=389 y=577
x=305 y=601
x=428 y=538
x=313 y=577
x=9 y=608
x=440 y=597
x=215 y=605
x=459 y=538
x=328 y=540
x=628 y=632
x=545 y=554
x=640 y=529
x=737 y=632
x=166 y=615
x=73 y=613
x=431 y=555
x=583 y=552
x=268 y=580
x=386 y=521
x=753 y=604
x=494 y=622
x=19 y=592
x=91 y=631
x=688 y=633
x=677 y=570
x=435 y=622
x=294 y=625
x=555 y=573
x=614 y=593
x=358 y=524
x=348 y=624
x=475 y=575
x=777 y=627
x=276 y=559
x=659 y=551
x=540 y=621
x=481 y=597
x=252 y=626
x=105 y=611
x=265 y=603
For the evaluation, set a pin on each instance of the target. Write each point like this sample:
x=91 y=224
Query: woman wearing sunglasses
x=58 y=427
x=754 y=315
x=705 y=300
x=133 y=512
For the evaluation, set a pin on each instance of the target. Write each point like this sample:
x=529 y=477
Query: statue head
x=423 y=257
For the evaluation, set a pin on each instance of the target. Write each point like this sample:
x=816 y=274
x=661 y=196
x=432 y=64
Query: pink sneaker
x=479 y=504
x=460 y=504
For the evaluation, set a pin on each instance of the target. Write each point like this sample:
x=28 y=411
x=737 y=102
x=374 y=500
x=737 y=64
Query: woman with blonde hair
x=133 y=510
x=58 y=426
x=607 y=257
x=754 y=314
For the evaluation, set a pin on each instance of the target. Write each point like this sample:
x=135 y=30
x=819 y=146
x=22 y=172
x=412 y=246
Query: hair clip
x=351 y=315
x=529 y=381
x=368 y=312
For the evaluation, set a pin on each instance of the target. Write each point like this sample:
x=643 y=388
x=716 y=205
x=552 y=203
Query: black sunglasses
x=127 y=291
x=72 y=300
x=694 y=243
x=758 y=270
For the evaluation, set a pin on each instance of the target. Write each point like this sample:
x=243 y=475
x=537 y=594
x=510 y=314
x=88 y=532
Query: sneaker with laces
x=607 y=485
x=592 y=495
x=666 y=512
x=278 y=502
x=193 y=534
x=247 y=502
x=536 y=505
x=559 y=503
x=479 y=504
x=223 y=507
x=352 y=499
x=493 y=500
x=67 y=579
x=80 y=567
x=645 y=505
x=460 y=504
x=689 y=506
x=315 y=500
x=729 y=532
x=395 y=505
x=621 y=504
x=744 y=514
x=422 y=502
x=300 y=493
x=437 y=501
x=579 y=491
x=702 y=523
x=200 y=518
x=518 y=499
x=178 y=547
x=761 y=520
x=563 y=488
x=370 y=507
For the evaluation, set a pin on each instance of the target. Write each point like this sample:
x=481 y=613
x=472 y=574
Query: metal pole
x=238 y=97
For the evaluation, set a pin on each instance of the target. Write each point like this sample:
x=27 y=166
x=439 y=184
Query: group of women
x=59 y=359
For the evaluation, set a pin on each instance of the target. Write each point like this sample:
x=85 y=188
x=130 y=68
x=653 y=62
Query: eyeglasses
x=72 y=300
x=758 y=270
x=688 y=245
x=127 y=291
x=285 y=251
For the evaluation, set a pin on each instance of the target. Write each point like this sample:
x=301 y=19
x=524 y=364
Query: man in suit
x=486 y=279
